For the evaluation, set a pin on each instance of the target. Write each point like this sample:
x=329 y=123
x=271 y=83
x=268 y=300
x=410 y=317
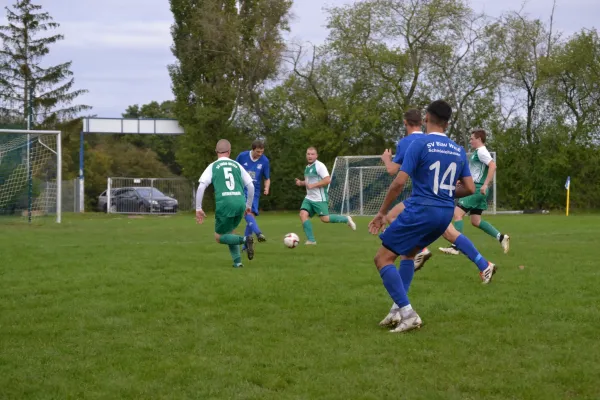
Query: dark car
x=142 y=200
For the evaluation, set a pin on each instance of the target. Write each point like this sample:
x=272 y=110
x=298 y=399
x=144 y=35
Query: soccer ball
x=291 y=240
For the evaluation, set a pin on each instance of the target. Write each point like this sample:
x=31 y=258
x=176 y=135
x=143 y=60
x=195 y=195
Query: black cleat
x=250 y=247
x=261 y=238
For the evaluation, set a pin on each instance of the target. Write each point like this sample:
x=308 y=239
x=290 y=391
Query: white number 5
x=229 y=179
x=437 y=184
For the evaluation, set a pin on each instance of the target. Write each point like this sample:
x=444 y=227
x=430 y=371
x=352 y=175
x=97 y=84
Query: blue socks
x=467 y=248
x=252 y=226
x=393 y=283
x=407 y=271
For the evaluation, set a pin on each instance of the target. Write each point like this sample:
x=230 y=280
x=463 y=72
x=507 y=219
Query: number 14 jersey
x=435 y=163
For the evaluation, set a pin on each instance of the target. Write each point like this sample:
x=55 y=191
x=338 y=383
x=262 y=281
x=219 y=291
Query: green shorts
x=315 y=207
x=227 y=220
x=476 y=201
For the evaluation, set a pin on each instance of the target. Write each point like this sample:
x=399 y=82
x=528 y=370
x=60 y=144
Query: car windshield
x=149 y=192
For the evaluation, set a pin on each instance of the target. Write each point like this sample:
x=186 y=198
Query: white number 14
x=439 y=184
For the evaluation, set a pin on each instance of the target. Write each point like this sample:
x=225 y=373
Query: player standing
x=483 y=168
x=257 y=165
x=316 y=179
x=435 y=164
x=229 y=180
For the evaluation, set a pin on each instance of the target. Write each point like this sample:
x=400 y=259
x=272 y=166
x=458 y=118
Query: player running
x=229 y=180
x=316 y=179
x=257 y=165
x=483 y=168
x=435 y=164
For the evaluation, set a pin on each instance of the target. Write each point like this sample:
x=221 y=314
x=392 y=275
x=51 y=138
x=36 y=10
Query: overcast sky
x=121 y=48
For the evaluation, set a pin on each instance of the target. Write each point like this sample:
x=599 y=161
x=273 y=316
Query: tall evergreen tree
x=23 y=79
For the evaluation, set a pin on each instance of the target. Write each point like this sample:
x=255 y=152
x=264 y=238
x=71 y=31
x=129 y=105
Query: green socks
x=231 y=239
x=338 y=219
x=489 y=229
x=459 y=225
x=307 y=226
x=234 y=250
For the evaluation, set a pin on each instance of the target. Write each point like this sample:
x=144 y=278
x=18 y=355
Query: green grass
x=150 y=308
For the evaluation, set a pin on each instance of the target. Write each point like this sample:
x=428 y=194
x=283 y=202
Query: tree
x=225 y=50
x=24 y=82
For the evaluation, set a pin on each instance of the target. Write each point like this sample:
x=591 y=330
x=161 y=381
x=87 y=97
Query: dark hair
x=258 y=144
x=413 y=117
x=440 y=112
x=479 y=134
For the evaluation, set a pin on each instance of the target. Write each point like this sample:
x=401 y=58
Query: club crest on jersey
x=259 y=166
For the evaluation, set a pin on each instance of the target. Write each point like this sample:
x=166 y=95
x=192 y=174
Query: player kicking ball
x=229 y=180
x=483 y=168
x=257 y=165
x=316 y=179
x=435 y=164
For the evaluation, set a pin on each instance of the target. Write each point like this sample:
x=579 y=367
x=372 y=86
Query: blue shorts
x=416 y=227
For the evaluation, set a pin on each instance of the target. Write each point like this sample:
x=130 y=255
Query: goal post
x=359 y=185
x=30 y=174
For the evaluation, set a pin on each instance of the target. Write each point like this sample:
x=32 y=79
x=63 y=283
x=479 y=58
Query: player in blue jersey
x=257 y=165
x=435 y=164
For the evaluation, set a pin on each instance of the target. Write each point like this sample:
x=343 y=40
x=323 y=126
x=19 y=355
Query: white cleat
x=487 y=274
x=392 y=319
x=449 y=250
x=310 y=242
x=351 y=223
x=421 y=259
x=505 y=243
x=408 y=323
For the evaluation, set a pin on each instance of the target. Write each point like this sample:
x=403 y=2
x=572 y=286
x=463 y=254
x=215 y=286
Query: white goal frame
x=344 y=207
x=58 y=153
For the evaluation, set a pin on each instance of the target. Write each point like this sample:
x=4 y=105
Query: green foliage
x=25 y=80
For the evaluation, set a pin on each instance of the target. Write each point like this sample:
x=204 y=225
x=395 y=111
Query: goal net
x=359 y=185
x=30 y=175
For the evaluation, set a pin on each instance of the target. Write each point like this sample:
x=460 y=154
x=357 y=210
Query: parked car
x=138 y=199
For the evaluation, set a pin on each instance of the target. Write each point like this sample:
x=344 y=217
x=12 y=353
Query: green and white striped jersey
x=314 y=173
x=478 y=164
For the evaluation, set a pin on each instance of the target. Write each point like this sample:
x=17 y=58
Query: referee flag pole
x=568 y=187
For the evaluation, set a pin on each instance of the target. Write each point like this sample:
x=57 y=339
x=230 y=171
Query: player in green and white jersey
x=316 y=180
x=483 y=168
x=229 y=179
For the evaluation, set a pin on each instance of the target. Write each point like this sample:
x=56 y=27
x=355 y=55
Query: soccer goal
x=359 y=185
x=30 y=174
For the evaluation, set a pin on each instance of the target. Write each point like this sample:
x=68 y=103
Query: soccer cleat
x=351 y=223
x=487 y=274
x=392 y=319
x=421 y=258
x=250 y=247
x=408 y=323
x=449 y=250
x=505 y=242
x=261 y=238
x=238 y=265
x=310 y=242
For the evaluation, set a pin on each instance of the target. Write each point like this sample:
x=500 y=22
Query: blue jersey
x=435 y=163
x=403 y=145
x=258 y=169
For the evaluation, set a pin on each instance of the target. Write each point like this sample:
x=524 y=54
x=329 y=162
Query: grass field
x=118 y=308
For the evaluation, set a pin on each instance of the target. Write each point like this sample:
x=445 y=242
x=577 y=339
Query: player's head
x=437 y=116
x=223 y=148
x=478 y=137
x=258 y=148
x=311 y=155
x=412 y=120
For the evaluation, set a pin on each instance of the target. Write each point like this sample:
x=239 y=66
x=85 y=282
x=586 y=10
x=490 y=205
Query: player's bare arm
x=466 y=187
x=300 y=183
x=490 y=176
x=377 y=224
x=323 y=182
x=267 y=186
x=391 y=167
x=200 y=215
